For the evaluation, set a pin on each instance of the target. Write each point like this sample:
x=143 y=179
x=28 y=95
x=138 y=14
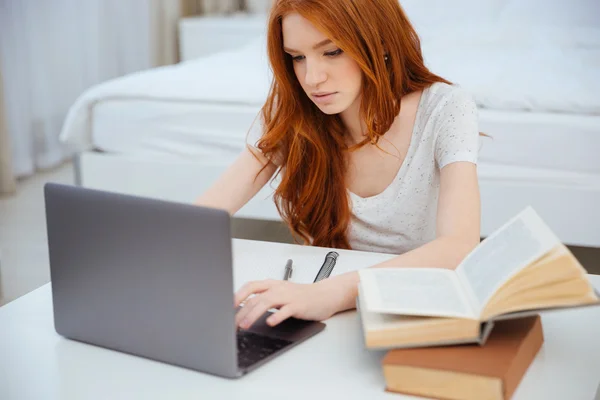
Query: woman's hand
x=316 y=301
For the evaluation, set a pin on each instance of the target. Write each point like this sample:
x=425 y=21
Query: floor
x=24 y=262
x=23 y=251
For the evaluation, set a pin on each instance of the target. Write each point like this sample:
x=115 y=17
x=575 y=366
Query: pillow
x=557 y=13
x=504 y=36
x=511 y=23
x=446 y=14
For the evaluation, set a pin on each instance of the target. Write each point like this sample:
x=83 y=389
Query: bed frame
x=568 y=205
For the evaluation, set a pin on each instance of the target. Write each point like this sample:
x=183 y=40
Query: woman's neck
x=355 y=126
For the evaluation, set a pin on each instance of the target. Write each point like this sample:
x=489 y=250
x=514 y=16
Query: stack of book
x=472 y=332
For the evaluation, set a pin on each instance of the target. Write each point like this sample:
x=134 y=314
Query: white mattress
x=204 y=131
x=554 y=142
x=188 y=130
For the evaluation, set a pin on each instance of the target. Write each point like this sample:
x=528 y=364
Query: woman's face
x=330 y=78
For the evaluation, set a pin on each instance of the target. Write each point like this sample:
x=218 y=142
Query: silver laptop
x=154 y=279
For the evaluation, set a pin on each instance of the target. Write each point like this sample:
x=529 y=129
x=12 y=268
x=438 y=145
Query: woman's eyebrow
x=315 y=47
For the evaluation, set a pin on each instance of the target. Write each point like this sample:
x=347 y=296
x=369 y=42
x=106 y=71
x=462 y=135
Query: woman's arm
x=239 y=183
x=457 y=225
x=458 y=217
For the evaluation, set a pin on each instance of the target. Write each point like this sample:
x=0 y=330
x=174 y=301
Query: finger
x=284 y=313
x=244 y=311
x=249 y=305
x=257 y=310
x=251 y=288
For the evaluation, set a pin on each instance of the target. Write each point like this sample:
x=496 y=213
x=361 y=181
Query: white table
x=36 y=363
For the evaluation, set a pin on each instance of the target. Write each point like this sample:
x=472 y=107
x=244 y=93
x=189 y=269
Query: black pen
x=288 y=270
x=327 y=267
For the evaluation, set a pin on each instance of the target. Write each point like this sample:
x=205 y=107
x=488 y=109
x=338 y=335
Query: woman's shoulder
x=441 y=94
x=443 y=100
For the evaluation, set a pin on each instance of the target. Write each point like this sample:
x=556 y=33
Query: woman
x=375 y=151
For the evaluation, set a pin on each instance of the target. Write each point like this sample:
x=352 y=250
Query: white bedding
x=206 y=132
x=189 y=130
x=528 y=78
x=553 y=142
x=240 y=77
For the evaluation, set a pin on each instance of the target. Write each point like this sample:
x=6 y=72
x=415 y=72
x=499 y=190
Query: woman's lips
x=324 y=98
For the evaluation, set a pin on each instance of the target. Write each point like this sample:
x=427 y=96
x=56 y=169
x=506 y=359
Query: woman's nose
x=315 y=74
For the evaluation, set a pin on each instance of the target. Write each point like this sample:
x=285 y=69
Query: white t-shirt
x=403 y=216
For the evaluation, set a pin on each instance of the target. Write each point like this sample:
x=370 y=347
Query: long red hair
x=312 y=197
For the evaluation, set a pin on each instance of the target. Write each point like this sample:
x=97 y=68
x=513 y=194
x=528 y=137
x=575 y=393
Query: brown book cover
x=491 y=371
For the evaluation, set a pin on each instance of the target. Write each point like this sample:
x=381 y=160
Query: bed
x=169 y=132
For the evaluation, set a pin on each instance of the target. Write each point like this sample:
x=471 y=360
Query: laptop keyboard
x=252 y=348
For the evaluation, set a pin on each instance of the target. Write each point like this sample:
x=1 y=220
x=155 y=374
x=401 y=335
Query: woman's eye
x=328 y=54
x=334 y=53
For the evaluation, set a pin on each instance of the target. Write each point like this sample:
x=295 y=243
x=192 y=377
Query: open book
x=518 y=270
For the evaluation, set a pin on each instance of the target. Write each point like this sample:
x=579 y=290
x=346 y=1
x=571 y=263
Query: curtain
x=164 y=19
x=220 y=6
x=51 y=51
x=7 y=179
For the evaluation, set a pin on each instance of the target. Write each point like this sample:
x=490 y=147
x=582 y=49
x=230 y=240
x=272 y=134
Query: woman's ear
x=386 y=54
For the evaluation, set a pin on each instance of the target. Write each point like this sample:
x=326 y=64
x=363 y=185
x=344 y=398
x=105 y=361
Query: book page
x=503 y=254
x=414 y=291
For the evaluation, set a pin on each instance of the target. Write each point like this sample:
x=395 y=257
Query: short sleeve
x=255 y=133
x=457 y=129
